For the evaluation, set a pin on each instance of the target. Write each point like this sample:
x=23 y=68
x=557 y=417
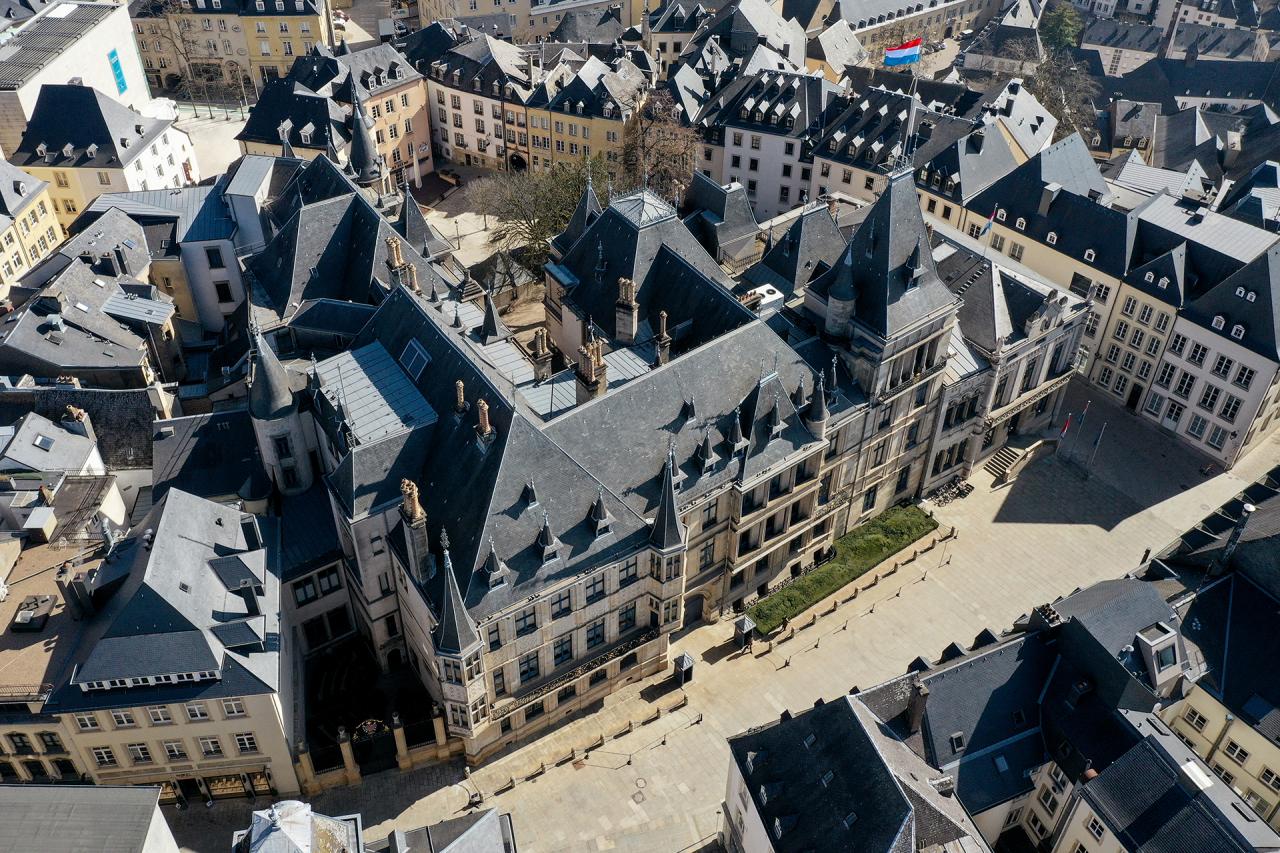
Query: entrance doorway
x=190 y=790
x=1135 y=395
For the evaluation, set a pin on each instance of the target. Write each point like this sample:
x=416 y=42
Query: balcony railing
x=999 y=416
x=540 y=690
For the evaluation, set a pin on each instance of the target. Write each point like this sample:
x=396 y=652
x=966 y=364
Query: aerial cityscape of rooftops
x=656 y=426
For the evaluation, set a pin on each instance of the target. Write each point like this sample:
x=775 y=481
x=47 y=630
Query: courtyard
x=660 y=786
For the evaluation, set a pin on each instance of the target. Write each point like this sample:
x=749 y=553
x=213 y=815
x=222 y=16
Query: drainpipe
x=1222 y=734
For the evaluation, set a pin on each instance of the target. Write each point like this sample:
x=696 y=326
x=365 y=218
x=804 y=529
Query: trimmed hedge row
x=857 y=552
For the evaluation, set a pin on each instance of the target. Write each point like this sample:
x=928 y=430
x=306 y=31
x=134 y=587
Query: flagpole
x=1088 y=471
x=1084 y=414
x=1066 y=425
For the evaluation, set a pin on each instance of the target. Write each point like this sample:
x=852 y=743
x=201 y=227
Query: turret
x=277 y=421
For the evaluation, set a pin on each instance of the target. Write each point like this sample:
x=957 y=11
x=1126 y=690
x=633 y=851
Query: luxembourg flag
x=903 y=54
x=990 y=220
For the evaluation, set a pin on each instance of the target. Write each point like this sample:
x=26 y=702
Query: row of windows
x=149 y=680
x=246 y=743
x=21 y=744
x=159 y=715
x=562 y=603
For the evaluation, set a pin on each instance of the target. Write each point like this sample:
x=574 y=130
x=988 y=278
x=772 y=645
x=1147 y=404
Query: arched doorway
x=694 y=607
x=518 y=163
x=394 y=659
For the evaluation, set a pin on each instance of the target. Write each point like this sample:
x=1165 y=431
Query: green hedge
x=857 y=552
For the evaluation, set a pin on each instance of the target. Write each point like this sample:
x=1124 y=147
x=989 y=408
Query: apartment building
x=64 y=42
x=1216 y=384
x=763 y=122
x=279 y=30
x=28 y=227
x=311 y=109
x=1121 y=47
x=578 y=114
x=668 y=28
x=85 y=144
x=195 y=46
x=886 y=24
x=478 y=91
x=197 y=703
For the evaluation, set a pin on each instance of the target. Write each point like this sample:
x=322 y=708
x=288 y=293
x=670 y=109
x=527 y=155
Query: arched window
x=1090 y=254
x=1219 y=321
x=1021 y=224
x=1052 y=239
x=1237 y=331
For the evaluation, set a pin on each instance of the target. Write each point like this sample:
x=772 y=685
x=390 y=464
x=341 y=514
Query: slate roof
x=1163 y=81
x=79 y=127
x=1213 y=42
x=1145 y=799
x=210 y=455
x=1260 y=317
x=424 y=46
x=888 y=267
x=808 y=248
x=38 y=42
x=1231 y=622
x=593 y=26
x=1120 y=35
x=176 y=606
x=799 y=101
x=311 y=121
x=742 y=25
x=39 y=444
x=122 y=418
x=719 y=216
x=640 y=237
x=308 y=533
x=71 y=818
x=51 y=335
x=17 y=190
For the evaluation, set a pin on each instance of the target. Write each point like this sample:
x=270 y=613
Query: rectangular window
x=627 y=618
x=526 y=622
x=561 y=604
x=499 y=682
x=175 y=750
x=104 y=756
x=595 y=634
x=529 y=667
x=1197 y=426
x=87 y=722
x=562 y=650
x=196 y=711
x=595 y=588
x=246 y=743
x=159 y=715
x=1230 y=408
x=1209 y=397
x=1186 y=382
x=1197 y=354
x=139 y=753
x=123 y=719
x=629 y=573
x=413 y=359
x=1222 y=366
x=495 y=637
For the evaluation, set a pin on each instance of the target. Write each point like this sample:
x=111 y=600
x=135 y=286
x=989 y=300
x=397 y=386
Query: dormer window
x=1052 y=239
x=1000 y=216
x=475 y=85
x=1237 y=332
x=1021 y=224
x=497 y=87
x=1090 y=254
x=1219 y=322
x=1163 y=283
x=743 y=113
x=1149 y=277
x=1240 y=292
x=1251 y=297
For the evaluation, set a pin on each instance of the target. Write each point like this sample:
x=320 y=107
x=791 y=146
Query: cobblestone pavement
x=660 y=787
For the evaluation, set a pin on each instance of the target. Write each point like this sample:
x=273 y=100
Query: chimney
x=1047 y=194
x=484 y=429
x=77 y=421
x=1233 y=541
x=75 y=592
x=591 y=372
x=916 y=704
x=541 y=356
x=411 y=278
x=627 y=317
x=419 y=544
x=663 y=340
x=395 y=258
x=459 y=398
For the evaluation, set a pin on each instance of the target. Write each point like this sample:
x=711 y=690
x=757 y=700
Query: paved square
x=659 y=788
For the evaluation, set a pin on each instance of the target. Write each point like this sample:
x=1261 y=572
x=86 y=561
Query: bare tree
x=1067 y=91
x=658 y=149
x=195 y=60
x=531 y=207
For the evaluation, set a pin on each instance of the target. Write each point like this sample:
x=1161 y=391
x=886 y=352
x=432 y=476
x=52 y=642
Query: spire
x=494 y=569
x=600 y=516
x=286 y=149
x=547 y=540
x=270 y=391
x=736 y=439
x=493 y=329
x=706 y=451
x=457 y=318
x=818 y=402
x=530 y=494
x=668 y=530
x=363 y=162
x=456 y=632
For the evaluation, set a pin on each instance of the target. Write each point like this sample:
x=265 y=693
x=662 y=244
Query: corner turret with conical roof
x=364 y=164
x=668 y=530
x=277 y=420
x=455 y=634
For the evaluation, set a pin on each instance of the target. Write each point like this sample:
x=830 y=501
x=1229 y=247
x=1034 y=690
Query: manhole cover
x=638 y=797
x=640 y=783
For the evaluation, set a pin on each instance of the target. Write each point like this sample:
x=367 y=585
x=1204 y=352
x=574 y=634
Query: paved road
x=660 y=788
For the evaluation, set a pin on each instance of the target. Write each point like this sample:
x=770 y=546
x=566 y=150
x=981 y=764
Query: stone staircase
x=1001 y=461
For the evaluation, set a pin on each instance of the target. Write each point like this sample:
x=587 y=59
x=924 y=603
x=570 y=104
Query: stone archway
x=518 y=163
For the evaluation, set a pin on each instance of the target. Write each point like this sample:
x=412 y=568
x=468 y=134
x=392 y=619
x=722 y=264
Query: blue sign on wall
x=114 y=58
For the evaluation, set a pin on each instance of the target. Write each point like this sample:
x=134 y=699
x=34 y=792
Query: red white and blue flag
x=990 y=220
x=903 y=54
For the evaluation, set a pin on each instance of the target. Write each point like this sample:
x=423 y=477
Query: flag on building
x=1066 y=426
x=990 y=220
x=904 y=54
